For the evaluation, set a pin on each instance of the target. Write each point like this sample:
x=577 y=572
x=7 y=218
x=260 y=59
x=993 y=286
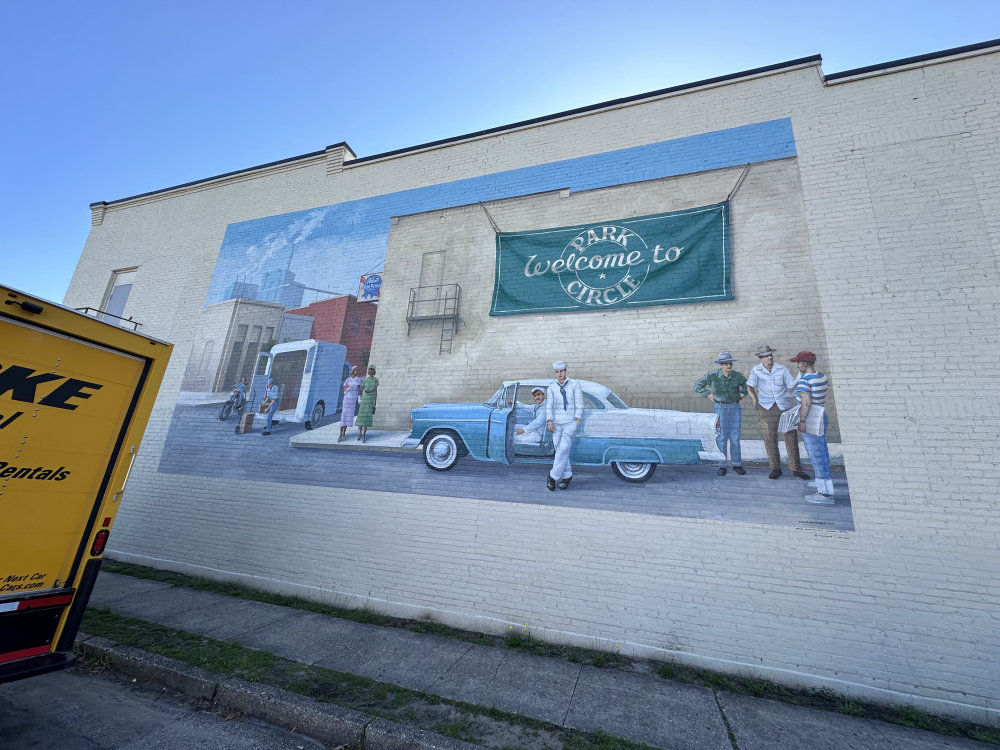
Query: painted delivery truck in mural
x=75 y=396
x=309 y=374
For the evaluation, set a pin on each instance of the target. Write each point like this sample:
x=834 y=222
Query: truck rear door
x=66 y=407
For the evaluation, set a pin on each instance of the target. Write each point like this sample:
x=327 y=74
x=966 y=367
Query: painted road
x=199 y=444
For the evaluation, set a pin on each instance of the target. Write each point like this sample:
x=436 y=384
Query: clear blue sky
x=111 y=98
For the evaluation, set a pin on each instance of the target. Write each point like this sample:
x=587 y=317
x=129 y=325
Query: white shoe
x=820 y=499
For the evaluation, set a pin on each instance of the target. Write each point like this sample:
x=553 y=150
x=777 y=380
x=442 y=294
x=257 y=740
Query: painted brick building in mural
x=863 y=227
x=343 y=320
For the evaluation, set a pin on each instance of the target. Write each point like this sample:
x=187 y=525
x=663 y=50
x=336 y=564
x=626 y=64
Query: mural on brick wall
x=283 y=352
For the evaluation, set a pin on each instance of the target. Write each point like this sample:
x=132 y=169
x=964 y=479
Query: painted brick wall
x=647 y=355
x=334 y=321
x=898 y=223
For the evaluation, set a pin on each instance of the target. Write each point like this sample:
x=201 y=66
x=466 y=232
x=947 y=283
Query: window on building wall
x=355 y=324
x=206 y=358
x=117 y=295
x=369 y=327
x=250 y=351
x=232 y=371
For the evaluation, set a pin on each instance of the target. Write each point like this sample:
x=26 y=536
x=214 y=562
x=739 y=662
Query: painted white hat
x=559 y=365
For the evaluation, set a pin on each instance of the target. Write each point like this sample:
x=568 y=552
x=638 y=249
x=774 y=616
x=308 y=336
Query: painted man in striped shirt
x=810 y=391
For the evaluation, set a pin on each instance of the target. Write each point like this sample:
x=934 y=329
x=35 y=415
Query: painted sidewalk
x=634 y=705
x=327 y=436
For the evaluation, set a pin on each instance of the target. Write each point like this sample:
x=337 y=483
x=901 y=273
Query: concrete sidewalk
x=633 y=705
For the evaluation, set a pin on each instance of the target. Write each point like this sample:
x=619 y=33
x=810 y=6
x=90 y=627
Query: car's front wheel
x=633 y=471
x=442 y=450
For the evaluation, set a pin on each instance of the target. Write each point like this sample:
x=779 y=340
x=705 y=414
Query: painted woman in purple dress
x=352 y=389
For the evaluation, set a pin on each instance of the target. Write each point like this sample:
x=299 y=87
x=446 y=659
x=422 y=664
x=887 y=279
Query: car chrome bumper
x=410 y=443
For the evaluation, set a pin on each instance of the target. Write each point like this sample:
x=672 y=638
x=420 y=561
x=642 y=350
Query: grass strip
x=487 y=726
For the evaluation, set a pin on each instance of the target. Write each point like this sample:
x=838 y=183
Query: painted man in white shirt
x=533 y=432
x=563 y=411
x=772 y=388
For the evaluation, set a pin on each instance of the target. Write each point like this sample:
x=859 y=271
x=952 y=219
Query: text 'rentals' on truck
x=75 y=395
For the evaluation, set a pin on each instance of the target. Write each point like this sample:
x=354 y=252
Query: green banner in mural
x=664 y=259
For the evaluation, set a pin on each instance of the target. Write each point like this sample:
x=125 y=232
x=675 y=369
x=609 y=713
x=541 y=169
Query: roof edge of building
x=729 y=78
x=811 y=60
x=966 y=50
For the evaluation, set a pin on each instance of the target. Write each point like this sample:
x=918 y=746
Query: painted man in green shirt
x=726 y=387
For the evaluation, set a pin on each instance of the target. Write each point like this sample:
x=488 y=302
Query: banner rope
x=738 y=184
x=492 y=223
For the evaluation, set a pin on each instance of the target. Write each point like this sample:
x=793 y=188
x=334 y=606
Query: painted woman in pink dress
x=352 y=389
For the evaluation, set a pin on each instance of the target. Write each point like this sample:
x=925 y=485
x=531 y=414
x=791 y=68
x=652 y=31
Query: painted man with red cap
x=810 y=391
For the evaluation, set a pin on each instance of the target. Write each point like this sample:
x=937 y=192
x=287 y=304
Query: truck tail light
x=100 y=542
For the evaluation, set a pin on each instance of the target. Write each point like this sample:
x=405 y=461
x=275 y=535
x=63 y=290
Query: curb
x=333 y=725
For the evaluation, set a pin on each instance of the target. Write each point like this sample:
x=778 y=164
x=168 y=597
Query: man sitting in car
x=533 y=431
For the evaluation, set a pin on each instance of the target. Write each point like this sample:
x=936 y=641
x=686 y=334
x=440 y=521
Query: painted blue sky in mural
x=301 y=257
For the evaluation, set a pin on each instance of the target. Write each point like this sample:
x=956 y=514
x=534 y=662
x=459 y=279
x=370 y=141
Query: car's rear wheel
x=442 y=450
x=633 y=471
x=314 y=418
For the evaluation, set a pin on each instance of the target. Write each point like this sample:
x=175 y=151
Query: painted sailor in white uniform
x=532 y=432
x=563 y=411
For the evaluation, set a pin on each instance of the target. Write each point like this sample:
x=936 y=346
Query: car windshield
x=616 y=403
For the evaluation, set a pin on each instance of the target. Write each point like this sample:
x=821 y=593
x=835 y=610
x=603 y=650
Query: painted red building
x=343 y=320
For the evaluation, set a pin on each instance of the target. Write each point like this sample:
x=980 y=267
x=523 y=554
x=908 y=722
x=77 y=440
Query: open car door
x=500 y=430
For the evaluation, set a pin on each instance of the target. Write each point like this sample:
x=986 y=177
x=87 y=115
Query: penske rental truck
x=75 y=395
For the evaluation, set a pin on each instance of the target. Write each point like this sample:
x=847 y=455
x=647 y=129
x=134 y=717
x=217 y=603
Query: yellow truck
x=75 y=395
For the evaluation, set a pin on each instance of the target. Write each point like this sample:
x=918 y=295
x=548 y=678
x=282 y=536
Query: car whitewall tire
x=633 y=471
x=441 y=451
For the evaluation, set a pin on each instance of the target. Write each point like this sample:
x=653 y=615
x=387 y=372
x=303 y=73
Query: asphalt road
x=80 y=710
x=199 y=444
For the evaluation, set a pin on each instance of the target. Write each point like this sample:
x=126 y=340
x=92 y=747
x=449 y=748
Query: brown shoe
x=740 y=470
x=802 y=475
x=775 y=473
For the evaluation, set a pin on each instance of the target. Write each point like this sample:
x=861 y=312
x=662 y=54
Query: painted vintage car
x=632 y=441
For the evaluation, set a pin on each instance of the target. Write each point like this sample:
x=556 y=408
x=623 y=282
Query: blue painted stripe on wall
x=330 y=247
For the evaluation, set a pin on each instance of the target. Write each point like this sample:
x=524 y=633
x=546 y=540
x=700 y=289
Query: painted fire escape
x=438 y=302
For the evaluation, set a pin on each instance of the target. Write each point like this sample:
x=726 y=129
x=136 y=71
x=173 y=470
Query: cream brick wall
x=888 y=216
